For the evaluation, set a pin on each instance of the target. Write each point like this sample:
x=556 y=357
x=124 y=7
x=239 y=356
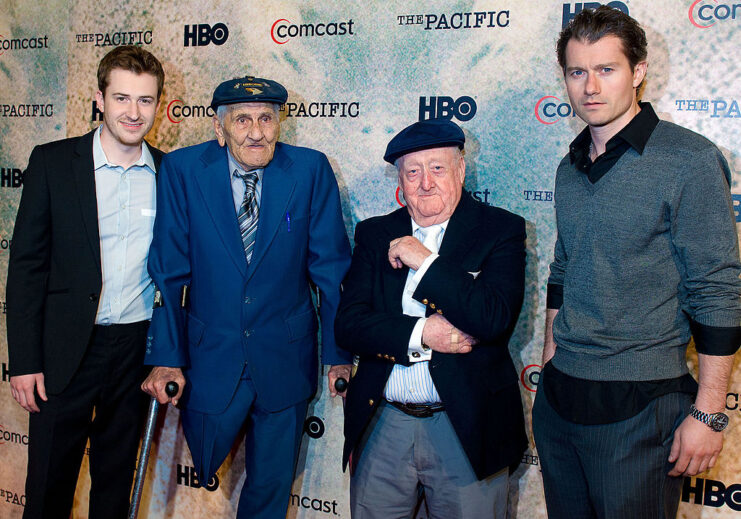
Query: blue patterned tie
x=249 y=212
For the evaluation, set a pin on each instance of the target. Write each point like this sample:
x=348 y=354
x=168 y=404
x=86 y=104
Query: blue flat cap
x=422 y=135
x=249 y=89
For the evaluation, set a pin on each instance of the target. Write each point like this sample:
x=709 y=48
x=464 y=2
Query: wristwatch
x=716 y=421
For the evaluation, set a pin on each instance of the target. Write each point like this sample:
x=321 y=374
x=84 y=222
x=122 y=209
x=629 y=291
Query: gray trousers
x=610 y=471
x=404 y=457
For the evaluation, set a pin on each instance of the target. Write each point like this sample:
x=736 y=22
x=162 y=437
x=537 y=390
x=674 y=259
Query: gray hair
x=222 y=110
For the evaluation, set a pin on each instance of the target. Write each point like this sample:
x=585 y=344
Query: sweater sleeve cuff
x=714 y=340
x=554 y=298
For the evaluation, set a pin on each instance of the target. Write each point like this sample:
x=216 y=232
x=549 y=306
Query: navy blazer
x=260 y=315
x=479 y=389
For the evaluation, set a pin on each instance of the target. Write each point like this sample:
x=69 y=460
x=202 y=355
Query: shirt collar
x=100 y=159
x=235 y=168
x=416 y=226
x=636 y=133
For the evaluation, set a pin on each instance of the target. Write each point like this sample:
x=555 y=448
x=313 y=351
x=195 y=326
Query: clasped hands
x=438 y=333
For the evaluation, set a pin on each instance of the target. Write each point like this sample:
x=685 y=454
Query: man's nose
x=426 y=180
x=591 y=87
x=133 y=111
x=255 y=133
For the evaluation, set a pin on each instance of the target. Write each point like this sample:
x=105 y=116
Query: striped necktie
x=249 y=212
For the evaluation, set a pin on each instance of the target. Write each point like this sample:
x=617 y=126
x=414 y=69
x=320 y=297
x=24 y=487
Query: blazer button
x=424 y=301
x=385 y=356
x=93 y=297
x=432 y=305
x=393 y=359
x=439 y=311
x=379 y=355
x=371 y=402
x=416 y=354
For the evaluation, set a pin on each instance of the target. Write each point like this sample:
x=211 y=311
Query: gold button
x=386 y=356
x=432 y=305
x=379 y=355
x=424 y=301
x=439 y=311
x=371 y=402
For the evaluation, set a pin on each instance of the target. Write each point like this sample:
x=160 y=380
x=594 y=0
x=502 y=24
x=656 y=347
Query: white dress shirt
x=413 y=384
x=126 y=210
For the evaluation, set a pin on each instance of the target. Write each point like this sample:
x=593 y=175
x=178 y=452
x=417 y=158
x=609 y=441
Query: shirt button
x=247 y=300
x=122 y=237
x=246 y=333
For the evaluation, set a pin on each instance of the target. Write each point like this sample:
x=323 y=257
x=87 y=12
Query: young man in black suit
x=429 y=303
x=79 y=296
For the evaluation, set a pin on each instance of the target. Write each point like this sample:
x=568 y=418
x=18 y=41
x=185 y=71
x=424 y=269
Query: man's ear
x=219 y=131
x=99 y=100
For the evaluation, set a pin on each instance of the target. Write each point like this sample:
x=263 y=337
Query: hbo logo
x=202 y=34
x=463 y=108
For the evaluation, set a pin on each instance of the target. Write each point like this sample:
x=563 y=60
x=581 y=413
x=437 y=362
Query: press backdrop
x=358 y=72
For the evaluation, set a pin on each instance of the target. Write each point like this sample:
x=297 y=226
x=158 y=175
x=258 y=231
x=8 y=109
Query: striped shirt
x=413 y=384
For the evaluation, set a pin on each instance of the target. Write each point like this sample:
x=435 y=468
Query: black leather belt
x=418 y=410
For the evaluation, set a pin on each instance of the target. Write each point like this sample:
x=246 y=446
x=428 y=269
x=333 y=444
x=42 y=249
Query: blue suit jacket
x=261 y=314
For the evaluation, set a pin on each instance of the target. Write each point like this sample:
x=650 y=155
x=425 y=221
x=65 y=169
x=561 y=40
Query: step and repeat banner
x=358 y=72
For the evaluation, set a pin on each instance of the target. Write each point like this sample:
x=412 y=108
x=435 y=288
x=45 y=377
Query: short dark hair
x=131 y=58
x=591 y=25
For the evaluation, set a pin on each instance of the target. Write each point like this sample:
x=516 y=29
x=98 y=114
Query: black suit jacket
x=479 y=389
x=54 y=272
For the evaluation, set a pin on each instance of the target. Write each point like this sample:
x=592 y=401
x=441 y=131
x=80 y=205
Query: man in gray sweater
x=646 y=257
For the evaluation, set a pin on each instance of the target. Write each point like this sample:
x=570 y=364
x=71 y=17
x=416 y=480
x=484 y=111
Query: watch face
x=720 y=421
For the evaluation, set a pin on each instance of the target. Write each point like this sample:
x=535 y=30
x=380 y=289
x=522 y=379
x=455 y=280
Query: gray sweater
x=639 y=253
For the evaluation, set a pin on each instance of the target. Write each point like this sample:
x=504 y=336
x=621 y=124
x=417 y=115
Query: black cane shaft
x=171 y=388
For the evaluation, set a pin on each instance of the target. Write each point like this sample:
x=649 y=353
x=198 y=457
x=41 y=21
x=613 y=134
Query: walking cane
x=171 y=388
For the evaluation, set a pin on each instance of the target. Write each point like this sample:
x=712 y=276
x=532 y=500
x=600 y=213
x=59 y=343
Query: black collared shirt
x=593 y=402
x=634 y=135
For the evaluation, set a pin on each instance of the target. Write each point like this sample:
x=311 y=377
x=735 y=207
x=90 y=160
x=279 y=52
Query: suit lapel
x=83 y=171
x=215 y=186
x=278 y=184
x=400 y=224
x=460 y=233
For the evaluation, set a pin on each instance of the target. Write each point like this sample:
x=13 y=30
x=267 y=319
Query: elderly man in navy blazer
x=244 y=224
x=429 y=303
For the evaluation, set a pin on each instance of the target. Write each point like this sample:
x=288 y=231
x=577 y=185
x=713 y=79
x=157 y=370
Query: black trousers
x=102 y=403
x=611 y=471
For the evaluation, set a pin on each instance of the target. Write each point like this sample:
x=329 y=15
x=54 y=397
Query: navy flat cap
x=249 y=89
x=422 y=135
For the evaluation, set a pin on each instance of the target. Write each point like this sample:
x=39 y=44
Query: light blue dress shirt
x=126 y=210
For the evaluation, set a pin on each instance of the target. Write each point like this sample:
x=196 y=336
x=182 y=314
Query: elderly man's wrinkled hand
x=443 y=337
x=408 y=251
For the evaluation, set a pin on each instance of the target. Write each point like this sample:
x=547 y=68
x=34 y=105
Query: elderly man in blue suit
x=244 y=224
